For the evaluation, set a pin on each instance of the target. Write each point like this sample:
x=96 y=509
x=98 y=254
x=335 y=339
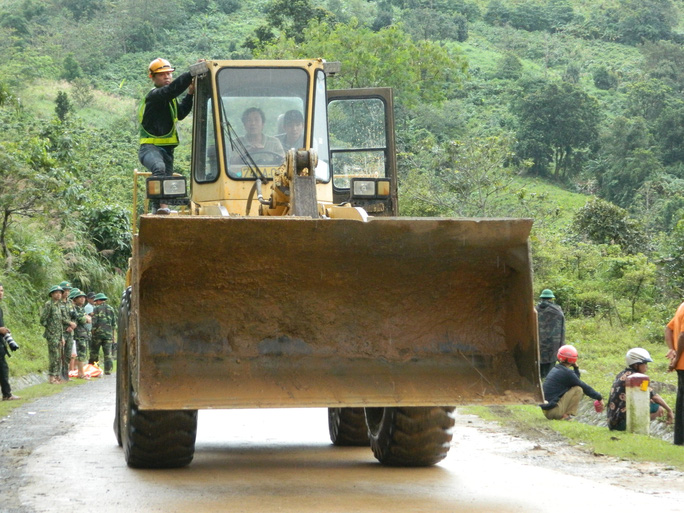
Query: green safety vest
x=170 y=139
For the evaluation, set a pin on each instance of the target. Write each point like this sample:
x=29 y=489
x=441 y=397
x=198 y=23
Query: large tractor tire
x=410 y=437
x=150 y=439
x=347 y=427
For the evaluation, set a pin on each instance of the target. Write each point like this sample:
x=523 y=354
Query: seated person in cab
x=293 y=126
x=263 y=148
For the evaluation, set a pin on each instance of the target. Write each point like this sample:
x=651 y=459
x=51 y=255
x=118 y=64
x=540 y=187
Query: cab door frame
x=381 y=205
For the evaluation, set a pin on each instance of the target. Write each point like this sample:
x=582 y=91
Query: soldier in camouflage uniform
x=104 y=326
x=551 y=330
x=51 y=319
x=69 y=323
x=81 y=333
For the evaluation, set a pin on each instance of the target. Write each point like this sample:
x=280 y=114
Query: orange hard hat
x=159 y=65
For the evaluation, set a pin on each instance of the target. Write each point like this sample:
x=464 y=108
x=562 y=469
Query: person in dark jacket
x=5 y=347
x=158 y=115
x=551 y=330
x=563 y=387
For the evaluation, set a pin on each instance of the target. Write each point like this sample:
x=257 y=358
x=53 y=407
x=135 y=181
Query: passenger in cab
x=293 y=125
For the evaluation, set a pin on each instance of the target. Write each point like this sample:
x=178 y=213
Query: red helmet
x=567 y=354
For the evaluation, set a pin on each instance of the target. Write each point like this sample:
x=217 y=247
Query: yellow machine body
x=241 y=303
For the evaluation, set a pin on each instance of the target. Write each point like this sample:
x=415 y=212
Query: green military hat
x=547 y=294
x=76 y=293
x=56 y=288
x=100 y=296
x=65 y=285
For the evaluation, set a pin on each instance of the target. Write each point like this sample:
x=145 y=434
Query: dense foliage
x=567 y=111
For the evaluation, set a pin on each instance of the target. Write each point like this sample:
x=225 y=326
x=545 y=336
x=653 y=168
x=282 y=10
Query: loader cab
x=239 y=132
x=239 y=135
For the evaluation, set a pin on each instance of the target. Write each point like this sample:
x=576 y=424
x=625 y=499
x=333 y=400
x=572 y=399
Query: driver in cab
x=254 y=140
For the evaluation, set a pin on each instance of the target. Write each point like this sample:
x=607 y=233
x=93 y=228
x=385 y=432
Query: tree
x=497 y=13
x=289 y=19
x=601 y=222
x=25 y=185
x=664 y=60
x=669 y=131
x=558 y=122
x=646 y=20
x=62 y=105
x=467 y=178
x=418 y=71
x=71 y=68
x=108 y=228
x=434 y=25
x=82 y=9
x=509 y=67
x=604 y=78
x=648 y=98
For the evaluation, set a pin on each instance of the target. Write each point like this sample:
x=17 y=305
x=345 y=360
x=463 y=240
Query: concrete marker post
x=638 y=404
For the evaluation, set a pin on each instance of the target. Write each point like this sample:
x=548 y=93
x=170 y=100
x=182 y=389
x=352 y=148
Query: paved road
x=59 y=454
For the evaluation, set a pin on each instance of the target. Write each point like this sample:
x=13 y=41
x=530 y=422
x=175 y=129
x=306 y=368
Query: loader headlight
x=370 y=187
x=160 y=187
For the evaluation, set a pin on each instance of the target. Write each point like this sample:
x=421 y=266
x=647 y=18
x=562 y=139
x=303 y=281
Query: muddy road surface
x=59 y=454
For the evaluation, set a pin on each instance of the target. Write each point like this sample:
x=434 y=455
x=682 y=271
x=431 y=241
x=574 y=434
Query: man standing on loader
x=158 y=115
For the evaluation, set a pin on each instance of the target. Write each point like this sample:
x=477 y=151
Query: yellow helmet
x=159 y=65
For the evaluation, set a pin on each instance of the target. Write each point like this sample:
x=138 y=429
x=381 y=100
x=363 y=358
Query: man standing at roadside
x=551 y=330
x=4 y=347
x=51 y=320
x=674 y=338
x=104 y=326
x=68 y=320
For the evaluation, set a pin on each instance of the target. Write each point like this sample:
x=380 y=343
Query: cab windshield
x=266 y=109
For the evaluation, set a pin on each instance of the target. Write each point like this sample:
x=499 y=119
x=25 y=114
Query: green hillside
x=569 y=112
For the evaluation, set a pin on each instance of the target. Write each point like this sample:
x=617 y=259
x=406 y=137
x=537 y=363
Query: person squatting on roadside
x=81 y=332
x=104 y=326
x=51 y=320
x=563 y=387
x=551 y=331
x=637 y=360
x=7 y=344
x=674 y=338
x=158 y=116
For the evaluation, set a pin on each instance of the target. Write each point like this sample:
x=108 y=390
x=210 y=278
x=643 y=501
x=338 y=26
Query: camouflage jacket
x=81 y=330
x=68 y=315
x=551 y=330
x=51 y=319
x=104 y=322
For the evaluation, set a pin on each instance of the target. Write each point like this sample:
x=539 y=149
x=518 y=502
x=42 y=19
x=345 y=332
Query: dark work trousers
x=4 y=373
x=679 y=410
x=158 y=159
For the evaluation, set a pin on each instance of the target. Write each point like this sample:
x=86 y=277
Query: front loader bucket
x=279 y=312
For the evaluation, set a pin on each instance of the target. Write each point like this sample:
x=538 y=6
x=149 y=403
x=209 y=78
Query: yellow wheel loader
x=286 y=279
